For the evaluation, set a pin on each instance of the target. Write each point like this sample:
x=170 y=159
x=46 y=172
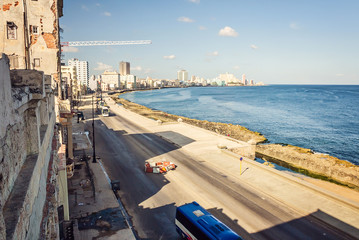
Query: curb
x=123 y=210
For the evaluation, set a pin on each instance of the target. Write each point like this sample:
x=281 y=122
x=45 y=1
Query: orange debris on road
x=159 y=167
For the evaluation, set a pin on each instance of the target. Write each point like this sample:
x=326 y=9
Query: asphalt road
x=151 y=199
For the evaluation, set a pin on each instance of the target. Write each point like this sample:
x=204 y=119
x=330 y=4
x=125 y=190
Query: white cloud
x=254 y=47
x=137 y=68
x=294 y=25
x=103 y=67
x=228 y=32
x=84 y=7
x=215 y=53
x=97 y=4
x=202 y=28
x=194 y=1
x=185 y=19
x=69 y=49
x=236 y=67
x=108 y=14
x=339 y=74
x=169 y=57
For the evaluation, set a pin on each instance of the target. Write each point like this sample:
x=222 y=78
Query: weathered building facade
x=30 y=34
x=30 y=197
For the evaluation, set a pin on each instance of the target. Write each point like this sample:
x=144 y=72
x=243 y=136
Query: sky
x=270 y=41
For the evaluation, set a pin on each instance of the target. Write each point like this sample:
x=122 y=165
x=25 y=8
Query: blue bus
x=194 y=222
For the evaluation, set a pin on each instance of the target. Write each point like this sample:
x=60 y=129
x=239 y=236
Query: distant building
x=70 y=83
x=124 y=68
x=82 y=69
x=182 y=75
x=93 y=83
x=129 y=81
x=228 y=78
x=111 y=80
x=244 y=79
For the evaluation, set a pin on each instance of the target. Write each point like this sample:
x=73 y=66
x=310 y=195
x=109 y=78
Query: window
x=36 y=62
x=11 y=30
x=35 y=29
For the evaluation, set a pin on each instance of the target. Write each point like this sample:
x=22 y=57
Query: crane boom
x=103 y=43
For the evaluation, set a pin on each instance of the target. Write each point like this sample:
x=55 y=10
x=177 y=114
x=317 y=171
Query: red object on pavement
x=159 y=167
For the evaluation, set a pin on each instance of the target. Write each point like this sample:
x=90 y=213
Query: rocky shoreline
x=301 y=160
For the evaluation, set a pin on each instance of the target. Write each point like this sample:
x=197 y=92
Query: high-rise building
x=244 y=79
x=182 y=75
x=124 y=68
x=82 y=69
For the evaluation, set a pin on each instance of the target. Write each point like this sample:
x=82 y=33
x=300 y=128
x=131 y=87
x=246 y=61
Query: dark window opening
x=11 y=30
x=35 y=29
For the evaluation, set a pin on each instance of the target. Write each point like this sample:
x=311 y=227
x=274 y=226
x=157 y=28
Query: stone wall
x=27 y=125
x=313 y=164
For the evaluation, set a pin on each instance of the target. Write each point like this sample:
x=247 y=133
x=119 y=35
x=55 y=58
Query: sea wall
x=312 y=164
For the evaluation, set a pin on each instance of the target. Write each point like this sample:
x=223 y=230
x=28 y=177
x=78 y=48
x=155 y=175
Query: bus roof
x=204 y=220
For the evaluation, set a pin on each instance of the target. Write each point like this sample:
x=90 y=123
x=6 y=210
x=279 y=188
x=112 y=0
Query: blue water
x=322 y=118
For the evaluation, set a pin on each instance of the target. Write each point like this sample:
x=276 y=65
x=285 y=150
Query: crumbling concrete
x=25 y=159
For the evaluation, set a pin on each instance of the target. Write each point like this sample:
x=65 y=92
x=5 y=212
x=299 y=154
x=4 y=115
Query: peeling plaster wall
x=43 y=44
x=11 y=10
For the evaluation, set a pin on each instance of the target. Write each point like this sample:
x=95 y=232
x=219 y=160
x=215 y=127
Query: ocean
x=324 y=118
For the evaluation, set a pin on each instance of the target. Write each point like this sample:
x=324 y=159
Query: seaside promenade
x=333 y=204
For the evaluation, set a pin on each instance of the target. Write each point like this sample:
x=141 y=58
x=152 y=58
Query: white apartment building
x=244 y=79
x=82 y=69
x=228 y=78
x=129 y=81
x=182 y=75
x=94 y=82
x=70 y=82
x=111 y=80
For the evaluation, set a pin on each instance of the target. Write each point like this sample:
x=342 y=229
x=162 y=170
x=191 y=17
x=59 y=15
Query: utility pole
x=93 y=134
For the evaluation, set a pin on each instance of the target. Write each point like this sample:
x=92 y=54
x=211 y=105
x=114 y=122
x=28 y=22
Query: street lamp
x=93 y=134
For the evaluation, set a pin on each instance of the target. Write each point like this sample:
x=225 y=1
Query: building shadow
x=123 y=155
x=181 y=140
x=310 y=226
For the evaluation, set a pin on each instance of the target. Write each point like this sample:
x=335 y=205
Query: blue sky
x=271 y=41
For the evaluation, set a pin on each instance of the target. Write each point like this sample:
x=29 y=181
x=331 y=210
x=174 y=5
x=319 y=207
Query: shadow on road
x=124 y=157
x=305 y=227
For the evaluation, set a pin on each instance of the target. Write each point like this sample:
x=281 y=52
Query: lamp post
x=93 y=135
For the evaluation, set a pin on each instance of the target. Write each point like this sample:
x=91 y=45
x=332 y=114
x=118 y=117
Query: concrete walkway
x=323 y=200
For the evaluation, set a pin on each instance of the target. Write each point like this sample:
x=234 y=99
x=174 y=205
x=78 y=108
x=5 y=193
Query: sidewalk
x=93 y=205
x=327 y=204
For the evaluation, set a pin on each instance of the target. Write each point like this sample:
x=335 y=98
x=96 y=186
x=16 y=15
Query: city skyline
x=276 y=43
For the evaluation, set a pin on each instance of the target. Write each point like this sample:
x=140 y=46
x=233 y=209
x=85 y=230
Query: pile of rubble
x=159 y=167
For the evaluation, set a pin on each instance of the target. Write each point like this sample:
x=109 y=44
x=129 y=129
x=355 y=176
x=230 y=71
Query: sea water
x=324 y=118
